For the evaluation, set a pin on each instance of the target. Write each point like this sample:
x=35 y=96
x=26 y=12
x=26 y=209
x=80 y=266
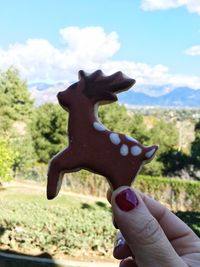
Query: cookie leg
x=63 y=162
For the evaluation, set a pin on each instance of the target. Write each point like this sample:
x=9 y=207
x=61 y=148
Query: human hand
x=151 y=235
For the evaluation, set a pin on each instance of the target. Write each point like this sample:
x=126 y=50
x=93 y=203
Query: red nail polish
x=126 y=200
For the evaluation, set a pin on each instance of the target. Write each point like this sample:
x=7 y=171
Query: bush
x=6 y=161
x=154 y=168
x=177 y=194
x=65 y=226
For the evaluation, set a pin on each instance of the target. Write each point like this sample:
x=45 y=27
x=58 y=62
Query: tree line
x=31 y=135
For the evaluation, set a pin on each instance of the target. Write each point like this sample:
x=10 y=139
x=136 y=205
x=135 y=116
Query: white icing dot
x=131 y=139
x=98 y=126
x=150 y=153
x=124 y=150
x=114 y=138
x=136 y=150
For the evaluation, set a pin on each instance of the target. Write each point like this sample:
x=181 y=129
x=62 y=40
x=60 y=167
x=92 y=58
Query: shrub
x=177 y=194
x=6 y=161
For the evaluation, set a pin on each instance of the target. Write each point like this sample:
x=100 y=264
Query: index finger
x=177 y=232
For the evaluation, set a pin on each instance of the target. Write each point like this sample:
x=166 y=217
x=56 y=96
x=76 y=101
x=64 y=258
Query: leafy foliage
x=16 y=109
x=165 y=134
x=174 y=161
x=6 y=161
x=49 y=131
x=176 y=193
x=65 y=226
x=15 y=98
x=23 y=149
x=138 y=129
x=195 y=148
x=114 y=117
x=192 y=219
x=47 y=134
x=154 y=168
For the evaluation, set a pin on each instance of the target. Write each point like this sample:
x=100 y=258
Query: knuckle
x=148 y=233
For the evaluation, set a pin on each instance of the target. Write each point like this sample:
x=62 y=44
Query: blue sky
x=155 y=41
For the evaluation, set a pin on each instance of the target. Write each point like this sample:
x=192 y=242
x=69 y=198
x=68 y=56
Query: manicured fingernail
x=126 y=200
x=122 y=262
x=119 y=242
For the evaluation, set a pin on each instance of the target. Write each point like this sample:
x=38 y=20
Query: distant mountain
x=178 y=97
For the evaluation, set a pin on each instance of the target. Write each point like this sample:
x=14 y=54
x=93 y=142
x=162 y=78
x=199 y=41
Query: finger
x=142 y=231
x=114 y=222
x=180 y=234
x=174 y=228
x=129 y=262
x=121 y=249
x=109 y=195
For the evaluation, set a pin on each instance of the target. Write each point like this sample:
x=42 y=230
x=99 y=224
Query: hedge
x=175 y=193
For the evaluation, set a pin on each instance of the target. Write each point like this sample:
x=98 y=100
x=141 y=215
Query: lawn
x=69 y=227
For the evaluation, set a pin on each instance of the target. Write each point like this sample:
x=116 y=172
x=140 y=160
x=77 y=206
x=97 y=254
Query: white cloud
x=48 y=95
x=89 y=49
x=192 y=6
x=85 y=48
x=90 y=42
x=193 y=51
x=157 y=75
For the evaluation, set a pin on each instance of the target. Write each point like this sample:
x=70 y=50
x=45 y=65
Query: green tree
x=6 y=161
x=16 y=103
x=16 y=108
x=195 y=147
x=114 y=117
x=5 y=113
x=49 y=131
x=137 y=129
x=174 y=161
x=24 y=153
x=154 y=168
x=164 y=134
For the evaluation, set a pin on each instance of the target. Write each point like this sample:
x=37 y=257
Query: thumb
x=142 y=232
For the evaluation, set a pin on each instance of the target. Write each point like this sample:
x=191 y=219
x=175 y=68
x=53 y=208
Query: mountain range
x=178 y=97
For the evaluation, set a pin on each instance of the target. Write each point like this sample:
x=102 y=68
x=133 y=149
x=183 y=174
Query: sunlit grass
x=66 y=225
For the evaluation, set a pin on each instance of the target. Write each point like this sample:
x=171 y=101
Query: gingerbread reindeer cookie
x=92 y=146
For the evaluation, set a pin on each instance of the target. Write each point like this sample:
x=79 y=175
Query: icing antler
x=91 y=146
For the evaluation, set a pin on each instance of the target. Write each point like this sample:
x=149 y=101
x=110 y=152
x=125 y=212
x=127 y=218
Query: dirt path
x=28 y=185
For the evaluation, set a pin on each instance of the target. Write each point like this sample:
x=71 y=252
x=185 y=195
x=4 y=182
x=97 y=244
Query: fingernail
x=122 y=262
x=126 y=200
x=119 y=242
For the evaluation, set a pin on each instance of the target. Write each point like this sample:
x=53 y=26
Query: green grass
x=67 y=225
